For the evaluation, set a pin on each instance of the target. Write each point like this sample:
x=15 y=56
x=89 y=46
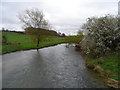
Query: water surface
x=53 y=67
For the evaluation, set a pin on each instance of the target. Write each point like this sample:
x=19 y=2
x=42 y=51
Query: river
x=58 y=66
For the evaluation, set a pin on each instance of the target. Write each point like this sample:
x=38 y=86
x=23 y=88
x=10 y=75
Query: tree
x=3 y=29
x=33 y=21
x=39 y=33
x=4 y=39
x=63 y=35
x=102 y=35
x=59 y=34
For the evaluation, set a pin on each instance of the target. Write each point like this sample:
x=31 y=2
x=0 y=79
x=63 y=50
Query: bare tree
x=34 y=19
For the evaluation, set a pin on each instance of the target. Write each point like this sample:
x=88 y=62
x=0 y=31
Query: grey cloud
x=64 y=15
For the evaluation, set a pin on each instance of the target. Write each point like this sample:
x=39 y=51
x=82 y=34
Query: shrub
x=102 y=35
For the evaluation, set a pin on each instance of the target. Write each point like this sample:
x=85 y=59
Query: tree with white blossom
x=102 y=35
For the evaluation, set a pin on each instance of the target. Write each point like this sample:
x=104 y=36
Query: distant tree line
x=19 y=32
x=61 y=34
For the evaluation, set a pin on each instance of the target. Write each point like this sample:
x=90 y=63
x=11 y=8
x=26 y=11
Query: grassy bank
x=17 y=41
x=106 y=67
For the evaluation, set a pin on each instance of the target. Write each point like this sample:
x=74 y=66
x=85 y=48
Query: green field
x=17 y=42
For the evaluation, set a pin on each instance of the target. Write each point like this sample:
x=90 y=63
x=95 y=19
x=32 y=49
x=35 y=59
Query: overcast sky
x=66 y=16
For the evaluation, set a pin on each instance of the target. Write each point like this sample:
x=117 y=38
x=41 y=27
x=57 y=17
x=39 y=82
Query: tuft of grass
x=108 y=63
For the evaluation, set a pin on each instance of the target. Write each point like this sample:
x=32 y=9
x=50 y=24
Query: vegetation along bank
x=101 y=48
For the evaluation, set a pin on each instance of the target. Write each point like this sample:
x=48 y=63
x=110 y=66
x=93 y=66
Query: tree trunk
x=38 y=41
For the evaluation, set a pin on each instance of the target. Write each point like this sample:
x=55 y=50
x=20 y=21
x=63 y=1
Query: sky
x=65 y=16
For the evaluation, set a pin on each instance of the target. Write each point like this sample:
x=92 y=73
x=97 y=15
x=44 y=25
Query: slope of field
x=18 y=41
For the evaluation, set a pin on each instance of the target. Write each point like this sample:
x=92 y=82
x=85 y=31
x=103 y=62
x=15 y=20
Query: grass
x=24 y=42
x=108 y=63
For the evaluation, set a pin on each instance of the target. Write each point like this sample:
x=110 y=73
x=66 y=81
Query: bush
x=102 y=35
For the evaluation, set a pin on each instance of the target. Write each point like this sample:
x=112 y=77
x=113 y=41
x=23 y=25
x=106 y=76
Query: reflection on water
x=52 y=67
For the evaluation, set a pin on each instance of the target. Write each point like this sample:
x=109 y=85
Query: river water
x=52 y=67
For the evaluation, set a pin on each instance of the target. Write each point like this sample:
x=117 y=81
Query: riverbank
x=105 y=67
x=18 y=42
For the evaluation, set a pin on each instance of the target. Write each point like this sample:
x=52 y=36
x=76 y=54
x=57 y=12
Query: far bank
x=19 y=41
